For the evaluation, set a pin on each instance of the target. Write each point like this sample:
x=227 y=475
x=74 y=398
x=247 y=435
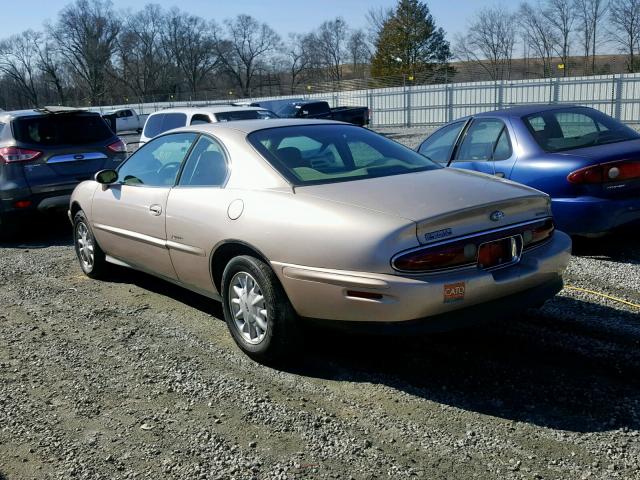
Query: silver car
x=290 y=220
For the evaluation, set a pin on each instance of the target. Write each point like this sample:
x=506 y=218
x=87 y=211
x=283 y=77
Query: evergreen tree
x=410 y=42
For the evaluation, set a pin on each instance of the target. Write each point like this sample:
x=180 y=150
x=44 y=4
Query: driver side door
x=128 y=217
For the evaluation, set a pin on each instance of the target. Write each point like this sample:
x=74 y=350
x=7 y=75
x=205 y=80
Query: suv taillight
x=118 y=146
x=606 y=172
x=15 y=154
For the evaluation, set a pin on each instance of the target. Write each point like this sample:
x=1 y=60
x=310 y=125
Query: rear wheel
x=90 y=255
x=257 y=310
x=8 y=227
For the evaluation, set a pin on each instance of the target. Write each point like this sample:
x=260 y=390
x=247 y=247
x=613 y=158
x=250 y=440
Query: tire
x=92 y=258
x=8 y=228
x=281 y=337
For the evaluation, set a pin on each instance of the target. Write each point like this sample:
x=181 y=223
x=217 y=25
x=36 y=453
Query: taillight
x=450 y=255
x=118 y=146
x=486 y=250
x=15 y=154
x=606 y=172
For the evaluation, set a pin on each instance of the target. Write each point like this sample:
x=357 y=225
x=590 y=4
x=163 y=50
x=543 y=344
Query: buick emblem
x=496 y=216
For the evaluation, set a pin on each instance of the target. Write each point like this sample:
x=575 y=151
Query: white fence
x=429 y=105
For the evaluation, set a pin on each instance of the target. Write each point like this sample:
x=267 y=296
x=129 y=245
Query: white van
x=164 y=120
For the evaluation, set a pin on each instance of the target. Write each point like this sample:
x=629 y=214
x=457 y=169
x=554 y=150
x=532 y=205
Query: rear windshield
x=571 y=128
x=61 y=129
x=317 y=154
x=162 y=122
x=232 y=115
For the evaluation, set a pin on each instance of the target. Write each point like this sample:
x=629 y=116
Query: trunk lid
x=444 y=203
x=607 y=153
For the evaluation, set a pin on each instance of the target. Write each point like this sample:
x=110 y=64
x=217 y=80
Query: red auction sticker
x=454 y=292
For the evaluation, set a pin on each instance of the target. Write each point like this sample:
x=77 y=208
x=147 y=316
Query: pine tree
x=409 y=42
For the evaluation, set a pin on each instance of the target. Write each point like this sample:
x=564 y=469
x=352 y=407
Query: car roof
x=10 y=115
x=208 y=109
x=249 y=126
x=523 y=110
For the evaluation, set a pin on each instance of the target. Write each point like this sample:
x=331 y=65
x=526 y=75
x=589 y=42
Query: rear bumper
x=324 y=294
x=486 y=312
x=592 y=215
x=51 y=198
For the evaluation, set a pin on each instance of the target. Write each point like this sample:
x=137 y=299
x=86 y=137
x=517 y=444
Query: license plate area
x=500 y=253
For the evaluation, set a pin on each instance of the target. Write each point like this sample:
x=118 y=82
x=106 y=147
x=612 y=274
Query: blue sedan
x=585 y=160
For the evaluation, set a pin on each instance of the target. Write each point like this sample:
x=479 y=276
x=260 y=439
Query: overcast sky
x=284 y=16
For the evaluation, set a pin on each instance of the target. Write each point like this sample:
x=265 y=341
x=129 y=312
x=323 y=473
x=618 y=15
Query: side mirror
x=106 y=177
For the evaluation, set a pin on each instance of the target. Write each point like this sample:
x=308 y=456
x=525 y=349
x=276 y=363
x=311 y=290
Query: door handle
x=155 y=210
x=499 y=174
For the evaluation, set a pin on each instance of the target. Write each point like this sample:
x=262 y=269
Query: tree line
x=93 y=55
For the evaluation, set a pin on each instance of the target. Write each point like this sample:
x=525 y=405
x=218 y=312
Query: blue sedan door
x=485 y=147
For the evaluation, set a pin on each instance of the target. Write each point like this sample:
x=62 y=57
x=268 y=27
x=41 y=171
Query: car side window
x=206 y=165
x=439 y=145
x=156 y=164
x=200 y=119
x=480 y=140
x=503 y=149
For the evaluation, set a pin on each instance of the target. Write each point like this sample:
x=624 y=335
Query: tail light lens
x=14 y=154
x=606 y=172
x=118 y=146
x=483 y=250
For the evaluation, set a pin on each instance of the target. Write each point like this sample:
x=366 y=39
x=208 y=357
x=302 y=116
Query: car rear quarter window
x=233 y=116
x=61 y=129
x=162 y=122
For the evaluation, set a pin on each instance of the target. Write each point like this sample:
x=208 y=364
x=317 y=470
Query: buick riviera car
x=290 y=220
x=588 y=162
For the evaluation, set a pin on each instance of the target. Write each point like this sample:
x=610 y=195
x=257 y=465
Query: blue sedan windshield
x=570 y=128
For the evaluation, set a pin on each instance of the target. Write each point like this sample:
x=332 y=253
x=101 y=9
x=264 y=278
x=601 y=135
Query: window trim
x=466 y=129
x=225 y=156
x=119 y=182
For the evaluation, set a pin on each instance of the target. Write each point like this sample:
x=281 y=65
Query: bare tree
x=539 y=34
x=359 y=51
x=560 y=14
x=188 y=41
x=51 y=65
x=331 y=44
x=590 y=14
x=18 y=61
x=376 y=18
x=86 y=34
x=247 y=43
x=490 y=42
x=624 y=19
x=297 y=59
x=143 y=63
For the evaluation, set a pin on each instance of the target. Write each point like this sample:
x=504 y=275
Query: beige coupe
x=291 y=220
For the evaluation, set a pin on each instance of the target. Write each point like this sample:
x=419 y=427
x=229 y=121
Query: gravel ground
x=137 y=378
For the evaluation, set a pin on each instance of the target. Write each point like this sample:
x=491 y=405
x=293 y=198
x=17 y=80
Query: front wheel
x=90 y=255
x=257 y=310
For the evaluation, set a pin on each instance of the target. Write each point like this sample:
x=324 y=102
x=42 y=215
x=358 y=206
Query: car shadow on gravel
x=41 y=231
x=533 y=369
x=622 y=246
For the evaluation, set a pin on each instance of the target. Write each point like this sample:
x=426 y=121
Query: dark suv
x=45 y=153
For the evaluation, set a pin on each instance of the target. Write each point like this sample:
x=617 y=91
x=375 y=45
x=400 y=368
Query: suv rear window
x=61 y=129
x=162 y=122
x=237 y=115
